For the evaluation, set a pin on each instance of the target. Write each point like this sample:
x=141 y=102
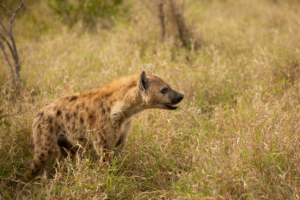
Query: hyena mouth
x=172 y=106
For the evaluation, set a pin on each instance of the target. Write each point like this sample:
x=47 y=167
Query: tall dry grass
x=235 y=135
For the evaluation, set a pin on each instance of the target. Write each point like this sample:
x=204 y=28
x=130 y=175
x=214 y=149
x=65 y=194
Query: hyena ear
x=143 y=82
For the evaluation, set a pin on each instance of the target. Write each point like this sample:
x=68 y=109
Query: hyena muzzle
x=108 y=110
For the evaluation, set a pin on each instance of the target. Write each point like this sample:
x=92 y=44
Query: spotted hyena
x=108 y=110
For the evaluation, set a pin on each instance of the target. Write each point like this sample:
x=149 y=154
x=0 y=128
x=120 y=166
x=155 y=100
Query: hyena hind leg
x=101 y=151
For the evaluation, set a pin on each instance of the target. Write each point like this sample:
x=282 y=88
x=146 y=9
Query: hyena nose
x=180 y=97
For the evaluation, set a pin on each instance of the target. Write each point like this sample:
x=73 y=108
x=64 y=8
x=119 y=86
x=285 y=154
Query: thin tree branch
x=14 y=15
x=12 y=46
x=19 y=112
x=6 y=8
x=4 y=28
x=17 y=63
x=10 y=67
x=8 y=44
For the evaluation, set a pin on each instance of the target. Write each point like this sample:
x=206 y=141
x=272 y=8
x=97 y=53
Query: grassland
x=235 y=136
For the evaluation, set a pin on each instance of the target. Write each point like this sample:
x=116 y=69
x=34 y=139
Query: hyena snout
x=177 y=98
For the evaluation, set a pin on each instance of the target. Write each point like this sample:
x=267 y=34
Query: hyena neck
x=123 y=110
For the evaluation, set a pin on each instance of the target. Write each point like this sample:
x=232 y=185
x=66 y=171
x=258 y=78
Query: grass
x=235 y=135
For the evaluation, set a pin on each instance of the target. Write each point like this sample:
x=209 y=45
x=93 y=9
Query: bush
x=8 y=6
x=88 y=11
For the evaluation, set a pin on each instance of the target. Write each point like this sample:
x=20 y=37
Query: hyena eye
x=164 y=91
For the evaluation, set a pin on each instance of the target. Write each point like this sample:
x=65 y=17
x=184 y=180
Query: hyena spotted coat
x=108 y=110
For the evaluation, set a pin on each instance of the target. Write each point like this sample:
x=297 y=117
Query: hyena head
x=157 y=93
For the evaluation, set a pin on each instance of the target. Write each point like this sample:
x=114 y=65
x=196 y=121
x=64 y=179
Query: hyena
x=108 y=110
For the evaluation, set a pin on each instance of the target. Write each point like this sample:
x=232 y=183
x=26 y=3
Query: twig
x=7 y=115
x=8 y=44
x=12 y=46
x=10 y=67
x=6 y=8
x=19 y=112
x=14 y=15
x=4 y=28
x=17 y=63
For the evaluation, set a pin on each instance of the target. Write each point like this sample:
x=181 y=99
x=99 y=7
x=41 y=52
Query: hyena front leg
x=99 y=145
x=104 y=144
x=121 y=142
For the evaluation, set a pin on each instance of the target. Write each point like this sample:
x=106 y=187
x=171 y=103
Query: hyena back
x=108 y=110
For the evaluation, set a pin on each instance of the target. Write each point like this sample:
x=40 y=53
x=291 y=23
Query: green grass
x=234 y=136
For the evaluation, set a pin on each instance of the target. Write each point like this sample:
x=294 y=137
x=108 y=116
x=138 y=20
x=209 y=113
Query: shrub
x=88 y=11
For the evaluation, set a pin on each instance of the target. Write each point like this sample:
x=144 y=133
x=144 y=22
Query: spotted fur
x=107 y=110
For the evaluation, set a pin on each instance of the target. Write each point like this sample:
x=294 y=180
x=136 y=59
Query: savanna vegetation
x=235 y=135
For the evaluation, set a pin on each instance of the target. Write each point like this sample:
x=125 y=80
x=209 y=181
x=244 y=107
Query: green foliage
x=8 y=6
x=88 y=11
